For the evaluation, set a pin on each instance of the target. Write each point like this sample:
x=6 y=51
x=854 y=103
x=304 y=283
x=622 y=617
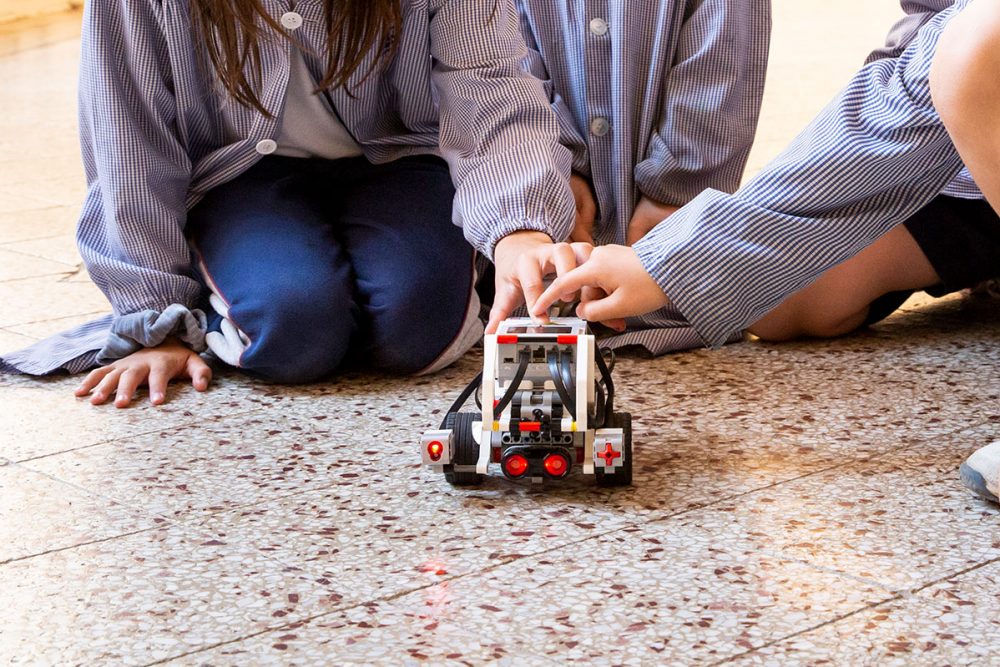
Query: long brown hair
x=232 y=30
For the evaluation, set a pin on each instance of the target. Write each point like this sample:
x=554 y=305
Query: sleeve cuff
x=150 y=328
x=556 y=232
x=674 y=256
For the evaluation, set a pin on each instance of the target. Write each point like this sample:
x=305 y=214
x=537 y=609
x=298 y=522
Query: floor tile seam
x=16 y=333
x=711 y=504
x=290 y=494
x=76 y=266
x=781 y=556
x=35 y=239
x=909 y=596
x=289 y=625
x=832 y=570
x=895 y=451
x=777 y=555
x=32 y=203
x=93 y=313
x=506 y=561
x=198 y=527
x=848 y=462
x=47 y=208
x=38 y=47
x=276 y=628
x=197 y=520
x=499 y=562
x=494 y=566
x=305 y=620
x=915 y=591
x=389 y=599
x=94 y=497
x=43 y=43
x=56 y=320
x=144 y=514
x=40 y=554
x=78 y=270
x=29 y=278
x=109 y=441
x=831 y=621
x=20 y=240
x=49 y=274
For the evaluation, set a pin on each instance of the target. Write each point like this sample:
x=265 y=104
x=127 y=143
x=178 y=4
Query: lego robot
x=547 y=404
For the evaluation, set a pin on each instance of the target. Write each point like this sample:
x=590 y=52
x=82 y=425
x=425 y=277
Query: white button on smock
x=600 y=126
x=599 y=27
x=291 y=20
x=266 y=146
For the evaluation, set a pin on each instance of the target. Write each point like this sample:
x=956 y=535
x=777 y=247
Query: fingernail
x=157 y=397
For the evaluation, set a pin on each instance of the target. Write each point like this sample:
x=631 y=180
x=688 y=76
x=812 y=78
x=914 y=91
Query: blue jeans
x=317 y=264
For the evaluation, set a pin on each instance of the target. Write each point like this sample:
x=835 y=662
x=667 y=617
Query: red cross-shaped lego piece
x=609 y=455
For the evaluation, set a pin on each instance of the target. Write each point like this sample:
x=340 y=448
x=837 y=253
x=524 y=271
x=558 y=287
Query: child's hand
x=154 y=366
x=617 y=272
x=648 y=213
x=523 y=259
x=586 y=210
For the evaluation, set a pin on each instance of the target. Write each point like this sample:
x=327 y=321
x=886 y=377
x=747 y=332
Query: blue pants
x=318 y=264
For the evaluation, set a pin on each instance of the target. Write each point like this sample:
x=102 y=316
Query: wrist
x=173 y=342
x=519 y=240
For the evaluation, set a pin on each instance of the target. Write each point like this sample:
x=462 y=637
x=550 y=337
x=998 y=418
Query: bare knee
x=963 y=82
x=833 y=305
x=809 y=314
x=838 y=301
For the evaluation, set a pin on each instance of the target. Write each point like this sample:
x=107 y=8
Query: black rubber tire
x=466 y=449
x=622 y=476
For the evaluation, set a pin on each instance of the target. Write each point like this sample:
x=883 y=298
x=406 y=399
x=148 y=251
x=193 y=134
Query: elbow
x=963 y=82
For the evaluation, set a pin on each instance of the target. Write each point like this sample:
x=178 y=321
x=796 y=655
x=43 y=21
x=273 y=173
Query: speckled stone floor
x=794 y=504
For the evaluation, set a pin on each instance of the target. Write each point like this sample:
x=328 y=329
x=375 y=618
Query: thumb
x=611 y=307
x=199 y=372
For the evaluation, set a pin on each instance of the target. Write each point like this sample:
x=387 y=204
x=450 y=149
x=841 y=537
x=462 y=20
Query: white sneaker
x=981 y=471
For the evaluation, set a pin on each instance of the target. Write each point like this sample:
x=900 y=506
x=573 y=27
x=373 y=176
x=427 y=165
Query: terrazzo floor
x=794 y=504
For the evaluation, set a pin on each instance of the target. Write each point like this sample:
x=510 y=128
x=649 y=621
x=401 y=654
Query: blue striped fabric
x=157 y=135
x=918 y=13
x=873 y=157
x=680 y=85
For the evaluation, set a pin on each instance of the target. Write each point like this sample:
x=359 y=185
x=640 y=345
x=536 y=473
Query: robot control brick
x=547 y=404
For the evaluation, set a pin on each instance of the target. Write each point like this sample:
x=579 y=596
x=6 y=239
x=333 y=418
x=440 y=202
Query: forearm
x=711 y=102
x=875 y=155
x=130 y=233
x=569 y=135
x=497 y=130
